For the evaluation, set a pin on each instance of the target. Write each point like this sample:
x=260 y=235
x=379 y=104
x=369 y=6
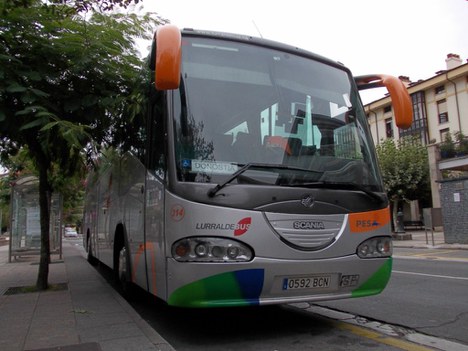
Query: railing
x=453 y=149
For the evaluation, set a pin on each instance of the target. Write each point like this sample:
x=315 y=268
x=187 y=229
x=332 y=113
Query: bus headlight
x=210 y=249
x=375 y=248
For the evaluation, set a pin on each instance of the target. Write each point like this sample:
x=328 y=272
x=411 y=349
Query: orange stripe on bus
x=366 y=221
x=141 y=250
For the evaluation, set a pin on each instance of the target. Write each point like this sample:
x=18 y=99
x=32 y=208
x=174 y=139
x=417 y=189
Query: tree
x=405 y=171
x=5 y=192
x=102 y=5
x=75 y=5
x=66 y=82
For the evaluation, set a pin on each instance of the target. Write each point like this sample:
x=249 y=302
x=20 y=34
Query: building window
x=442 y=111
x=389 y=128
x=419 y=125
x=387 y=109
x=440 y=89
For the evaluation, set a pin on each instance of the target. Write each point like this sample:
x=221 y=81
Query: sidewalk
x=84 y=314
x=421 y=240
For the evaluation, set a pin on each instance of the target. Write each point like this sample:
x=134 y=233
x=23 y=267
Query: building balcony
x=454 y=156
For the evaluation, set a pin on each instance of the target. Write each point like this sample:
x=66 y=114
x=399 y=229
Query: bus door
x=156 y=166
x=155 y=239
x=132 y=199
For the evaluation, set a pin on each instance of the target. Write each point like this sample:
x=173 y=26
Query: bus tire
x=123 y=273
x=91 y=259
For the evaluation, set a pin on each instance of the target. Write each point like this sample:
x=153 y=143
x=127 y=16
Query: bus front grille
x=308 y=232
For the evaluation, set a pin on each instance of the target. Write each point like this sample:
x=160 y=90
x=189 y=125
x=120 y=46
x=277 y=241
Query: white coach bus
x=254 y=179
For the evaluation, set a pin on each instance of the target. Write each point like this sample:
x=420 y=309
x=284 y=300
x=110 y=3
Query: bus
x=253 y=179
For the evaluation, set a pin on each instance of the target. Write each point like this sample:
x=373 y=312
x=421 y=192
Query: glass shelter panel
x=25 y=233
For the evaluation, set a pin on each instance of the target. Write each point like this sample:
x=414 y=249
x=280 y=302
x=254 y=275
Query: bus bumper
x=266 y=281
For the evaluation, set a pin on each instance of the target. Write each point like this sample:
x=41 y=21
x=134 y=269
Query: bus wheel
x=123 y=273
x=91 y=259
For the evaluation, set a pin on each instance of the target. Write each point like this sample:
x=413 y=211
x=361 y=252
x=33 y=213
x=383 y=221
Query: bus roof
x=261 y=42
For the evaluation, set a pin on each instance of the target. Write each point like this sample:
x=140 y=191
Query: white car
x=70 y=232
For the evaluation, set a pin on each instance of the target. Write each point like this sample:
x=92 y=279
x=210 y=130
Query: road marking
x=380 y=338
x=431 y=275
x=430 y=257
x=398 y=336
x=432 y=252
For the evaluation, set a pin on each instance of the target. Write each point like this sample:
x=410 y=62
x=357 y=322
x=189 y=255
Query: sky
x=398 y=37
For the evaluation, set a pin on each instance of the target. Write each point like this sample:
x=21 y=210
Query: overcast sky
x=398 y=37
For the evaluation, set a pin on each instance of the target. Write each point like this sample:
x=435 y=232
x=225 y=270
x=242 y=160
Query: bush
x=447 y=147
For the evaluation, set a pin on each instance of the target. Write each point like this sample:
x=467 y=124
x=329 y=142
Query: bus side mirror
x=167 y=57
x=401 y=100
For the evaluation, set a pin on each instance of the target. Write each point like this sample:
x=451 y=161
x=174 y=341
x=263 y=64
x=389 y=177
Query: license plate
x=314 y=282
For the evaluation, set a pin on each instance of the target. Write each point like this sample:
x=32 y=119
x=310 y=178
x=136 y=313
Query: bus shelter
x=25 y=228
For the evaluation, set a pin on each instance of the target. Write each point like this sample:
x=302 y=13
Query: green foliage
x=462 y=144
x=70 y=186
x=447 y=147
x=72 y=6
x=102 y=5
x=405 y=169
x=4 y=202
x=72 y=190
x=67 y=82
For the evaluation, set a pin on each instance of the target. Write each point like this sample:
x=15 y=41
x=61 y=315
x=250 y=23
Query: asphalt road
x=428 y=292
x=266 y=328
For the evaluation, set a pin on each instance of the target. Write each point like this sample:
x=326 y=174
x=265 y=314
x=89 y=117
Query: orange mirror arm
x=401 y=101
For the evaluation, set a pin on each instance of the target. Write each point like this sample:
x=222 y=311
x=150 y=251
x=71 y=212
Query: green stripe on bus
x=377 y=282
x=241 y=288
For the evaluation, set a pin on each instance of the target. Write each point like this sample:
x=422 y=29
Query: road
x=266 y=328
x=428 y=292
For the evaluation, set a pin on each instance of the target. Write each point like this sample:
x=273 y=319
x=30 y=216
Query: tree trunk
x=44 y=204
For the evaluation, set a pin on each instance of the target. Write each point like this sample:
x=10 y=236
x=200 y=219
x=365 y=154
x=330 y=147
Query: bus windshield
x=294 y=119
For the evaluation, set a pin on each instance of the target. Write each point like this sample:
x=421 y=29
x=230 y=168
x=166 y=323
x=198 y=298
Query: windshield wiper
x=212 y=192
x=347 y=186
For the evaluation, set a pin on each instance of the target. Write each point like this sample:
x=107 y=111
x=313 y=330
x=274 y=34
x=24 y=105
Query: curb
x=156 y=339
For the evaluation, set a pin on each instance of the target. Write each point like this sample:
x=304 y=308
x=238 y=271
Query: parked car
x=70 y=232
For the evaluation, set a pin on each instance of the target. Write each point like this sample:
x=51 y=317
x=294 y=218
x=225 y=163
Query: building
x=440 y=120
